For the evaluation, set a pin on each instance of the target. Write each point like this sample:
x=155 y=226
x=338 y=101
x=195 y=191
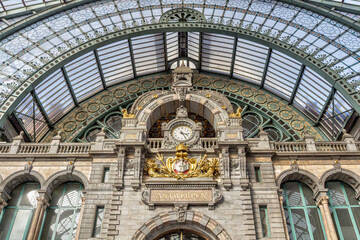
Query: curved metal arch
x=331 y=76
x=75 y=3
x=303 y=176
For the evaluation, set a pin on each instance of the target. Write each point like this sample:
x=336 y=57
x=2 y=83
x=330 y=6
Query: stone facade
x=243 y=176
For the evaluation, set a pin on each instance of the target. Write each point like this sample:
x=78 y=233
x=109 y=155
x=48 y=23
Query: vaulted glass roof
x=257 y=44
x=117 y=62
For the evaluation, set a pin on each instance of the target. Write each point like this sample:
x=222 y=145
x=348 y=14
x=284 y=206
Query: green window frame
x=99 y=217
x=345 y=210
x=257 y=174
x=303 y=217
x=62 y=216
x=16 y=218
x=106 y=172
x=265 y=225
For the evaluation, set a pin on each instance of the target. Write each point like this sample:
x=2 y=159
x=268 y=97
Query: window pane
x=98 y=221
x=350 y=192
x=6 y=222
x=300 y=224
x=63 y=230
x=264 y=221
x=356 y=213
x=336 y=193
x=15 y=195
x=71 y=197
x=346 y=225
x=106 y=175
x=293 y=193
x=29 y=195
x=308 y=195
x=49 y=226
x=315 y=223
x=20 y=224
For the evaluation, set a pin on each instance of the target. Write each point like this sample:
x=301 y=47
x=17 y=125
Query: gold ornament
x=237 y=114
x=208 y=95
x=155 y=96
x=126 y=114
x=182 y=166
x=223 y=107
x=140 y=107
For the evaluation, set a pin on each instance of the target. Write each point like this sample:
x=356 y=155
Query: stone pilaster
x=225 y=167
x=281 y=199
x=80 y=216
x=326 y=217
x=42 y=204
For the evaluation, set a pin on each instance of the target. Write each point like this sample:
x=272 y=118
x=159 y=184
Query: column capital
x=322 y=200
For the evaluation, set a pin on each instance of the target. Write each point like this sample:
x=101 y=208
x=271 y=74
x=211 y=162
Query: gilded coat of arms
x=182 y=166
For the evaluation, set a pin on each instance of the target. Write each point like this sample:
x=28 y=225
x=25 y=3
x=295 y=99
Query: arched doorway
x=181 y=234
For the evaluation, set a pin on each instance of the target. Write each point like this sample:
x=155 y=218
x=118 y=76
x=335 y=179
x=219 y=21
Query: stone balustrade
x=74 y=148
x=209 y=142
x=290 y=146
x=34 y=148
x=57 y=147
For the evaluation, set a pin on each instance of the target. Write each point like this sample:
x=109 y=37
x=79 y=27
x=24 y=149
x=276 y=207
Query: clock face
x=182 y=133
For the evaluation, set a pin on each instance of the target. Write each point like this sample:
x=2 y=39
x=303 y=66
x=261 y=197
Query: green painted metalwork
x=69 y=86
x=300 y=203
x=297 y=84
x=19 y=206
x=71 y=203
x=41 y=107
x=341 y=200
x=265 y=222
x=100 y=69
x=266 y=68
x=121 y=97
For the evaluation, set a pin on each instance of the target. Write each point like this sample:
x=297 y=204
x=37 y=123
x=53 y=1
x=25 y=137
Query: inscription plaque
x=171 y=196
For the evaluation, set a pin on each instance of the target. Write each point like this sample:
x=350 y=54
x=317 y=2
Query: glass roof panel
x=55 y=96
x=115 y=62
x=282 y=74
x=29 y=114
x=335 y=116
x=312 y=94
x=217 y=53
x=84 y=76
x=172 y=45
x=148 y=53
x=250 y=61
x=193 y=45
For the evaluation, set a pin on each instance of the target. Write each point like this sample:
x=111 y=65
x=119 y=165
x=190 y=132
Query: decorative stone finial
x=262 y=132
x=20 y=136
x=346 y=134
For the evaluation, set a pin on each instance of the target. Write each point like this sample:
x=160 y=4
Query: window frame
x=348 y=207
x=17 y=208
x=264 y=235
x=303 y=207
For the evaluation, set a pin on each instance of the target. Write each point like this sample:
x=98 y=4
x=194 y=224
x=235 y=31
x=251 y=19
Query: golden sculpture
x=237 y=114
x=126 y=114
x=182 y=166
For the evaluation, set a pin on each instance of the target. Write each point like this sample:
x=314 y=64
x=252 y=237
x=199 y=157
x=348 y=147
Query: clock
x=182 y=133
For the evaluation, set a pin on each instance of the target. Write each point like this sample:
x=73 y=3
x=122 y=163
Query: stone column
x=281 y=199
x=36 y=221
x=326 y=217
x=80 y=217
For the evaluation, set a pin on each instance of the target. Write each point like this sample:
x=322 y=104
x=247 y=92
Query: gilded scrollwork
x=181 y=166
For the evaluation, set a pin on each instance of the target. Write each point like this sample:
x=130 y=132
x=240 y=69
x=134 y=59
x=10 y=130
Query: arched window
x=181 y=235
x=16 y=217
x=302 y=215
x=345 y=210
x=251 y=122
x=62 y=216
